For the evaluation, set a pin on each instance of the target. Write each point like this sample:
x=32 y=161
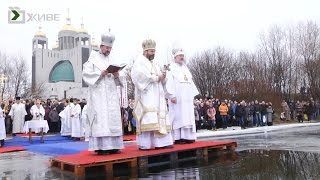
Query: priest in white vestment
x=152 y=125
x=83 y=122
x=17 y=113
x=181 y=91
x=103 y=105
x=76 y=131
x=2 y=127
x=65 y=120
x=37 y=111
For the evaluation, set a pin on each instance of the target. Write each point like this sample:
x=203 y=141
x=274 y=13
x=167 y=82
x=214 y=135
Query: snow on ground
x=235 y=131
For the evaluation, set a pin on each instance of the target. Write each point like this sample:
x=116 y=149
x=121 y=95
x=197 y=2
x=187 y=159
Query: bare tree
x=19 y=77
x=4 y=71
x=16 y=71
x=308 y=44
x=34 y=92
x=273 y=51
x=212 y=71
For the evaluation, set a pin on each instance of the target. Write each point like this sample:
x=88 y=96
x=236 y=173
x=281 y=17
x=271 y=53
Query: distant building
x=60 y=69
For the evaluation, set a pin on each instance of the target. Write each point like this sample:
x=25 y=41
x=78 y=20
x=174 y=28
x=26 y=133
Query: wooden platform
x=136 y=162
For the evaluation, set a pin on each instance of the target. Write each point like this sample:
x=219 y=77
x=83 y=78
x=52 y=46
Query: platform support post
x=133 y=168
x=61 y=166
x=109 y=170
x=79 y=171
x=174 y=160
x=143 y=166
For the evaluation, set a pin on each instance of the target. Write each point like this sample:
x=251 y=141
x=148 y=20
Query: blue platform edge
x=53 y=145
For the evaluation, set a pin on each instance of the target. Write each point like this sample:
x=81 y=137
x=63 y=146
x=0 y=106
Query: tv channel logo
x=16 y=15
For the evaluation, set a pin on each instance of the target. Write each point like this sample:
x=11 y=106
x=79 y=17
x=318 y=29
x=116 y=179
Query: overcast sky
x=194 y=25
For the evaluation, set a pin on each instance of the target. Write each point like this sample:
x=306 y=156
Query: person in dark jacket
x=202 y=114
x=61 y=105
x=240 y=111
x=130 y=116
x=251 y=114
x=292 y=108
x=247 y=114
x=299 y=114
x=28 y=106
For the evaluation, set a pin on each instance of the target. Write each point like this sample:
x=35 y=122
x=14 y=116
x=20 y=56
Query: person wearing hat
x=103 y=106
x=152 y=126
x=17 y=113
x=181 y=107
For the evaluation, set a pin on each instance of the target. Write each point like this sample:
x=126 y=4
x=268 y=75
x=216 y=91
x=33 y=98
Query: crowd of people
x=300 y=110
x=212 y=114
x=209 y=113
x=58 y=113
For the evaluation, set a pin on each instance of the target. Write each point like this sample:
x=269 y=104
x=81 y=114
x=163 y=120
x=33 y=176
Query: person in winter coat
x=269 y=114
x=264 y=113
x=257 y=114
x=197 y=117
x=212 y=117
x=240 y=111
x=223 y=109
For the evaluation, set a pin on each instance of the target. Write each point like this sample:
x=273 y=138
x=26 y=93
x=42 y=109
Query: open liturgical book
x=115 y=67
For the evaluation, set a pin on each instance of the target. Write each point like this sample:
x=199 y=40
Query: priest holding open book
x=104 y=124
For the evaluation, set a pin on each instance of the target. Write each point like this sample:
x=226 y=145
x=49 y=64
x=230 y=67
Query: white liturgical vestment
x=103 y=105
x=153 y=126
x=2 y=126
x=17 y=113
x=181 y=86
x=76 y=128
x=65 y=121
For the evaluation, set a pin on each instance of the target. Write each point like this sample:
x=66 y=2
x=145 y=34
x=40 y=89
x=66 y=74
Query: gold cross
x=185 y=78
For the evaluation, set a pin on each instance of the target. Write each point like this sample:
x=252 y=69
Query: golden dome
x=68 y=27
x=94 y=43
x=40 y=33
x=82 y=29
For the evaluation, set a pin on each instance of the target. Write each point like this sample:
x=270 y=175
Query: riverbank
x=237 y=131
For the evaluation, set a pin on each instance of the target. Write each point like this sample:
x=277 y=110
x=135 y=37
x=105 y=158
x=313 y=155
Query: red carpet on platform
x=11 y=149
x=129 y=137
x=88 y=157
x=25 y=135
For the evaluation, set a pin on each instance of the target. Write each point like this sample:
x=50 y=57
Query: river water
x=286 y=154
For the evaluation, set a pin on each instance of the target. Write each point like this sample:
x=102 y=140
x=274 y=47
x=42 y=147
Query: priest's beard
x=106 y=53
x=180 y=61
x=150 y=57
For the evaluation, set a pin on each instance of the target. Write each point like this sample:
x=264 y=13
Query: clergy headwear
x=177 y=51
x=107 y=39
x=17 y=98
x=148 y=44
